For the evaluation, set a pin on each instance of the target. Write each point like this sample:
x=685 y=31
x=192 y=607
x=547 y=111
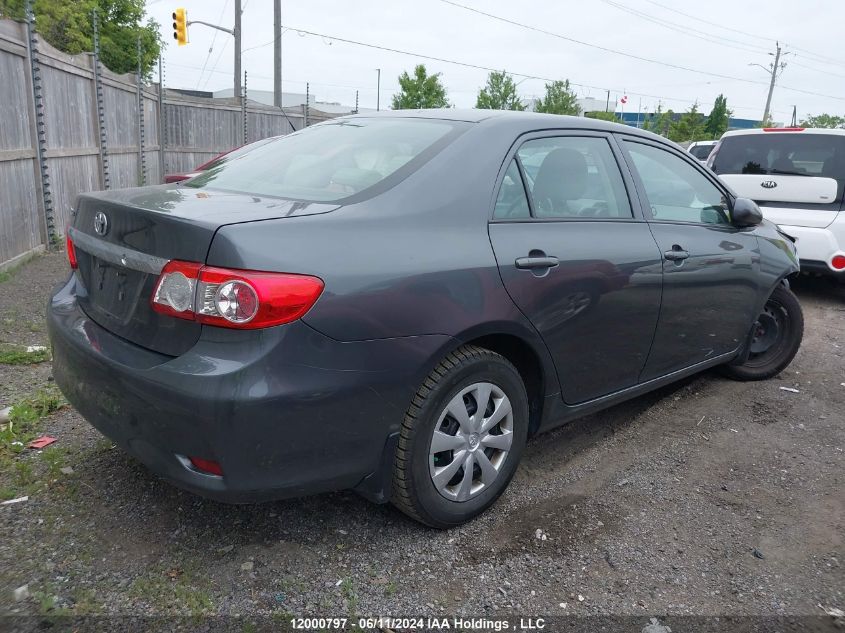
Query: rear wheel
x=778 y=332
x=461 y=439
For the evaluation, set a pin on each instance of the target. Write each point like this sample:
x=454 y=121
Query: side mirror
x=745 y=212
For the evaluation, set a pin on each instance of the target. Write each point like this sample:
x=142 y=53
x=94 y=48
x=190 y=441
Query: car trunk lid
x=809 y=201
x=124 y=238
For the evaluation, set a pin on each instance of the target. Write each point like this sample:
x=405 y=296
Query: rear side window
x=677 y=191
x=573 y=177
x=511 y=202
x=701 y=152
x=332 y=161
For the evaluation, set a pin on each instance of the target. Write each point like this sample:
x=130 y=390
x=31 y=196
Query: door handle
x=536 y=262
x=677 y=254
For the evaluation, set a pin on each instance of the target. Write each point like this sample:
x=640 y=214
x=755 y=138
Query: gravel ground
x=709 y=497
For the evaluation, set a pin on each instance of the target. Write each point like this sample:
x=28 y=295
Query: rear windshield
x=332 y=161
x=701 y=152
x=232 y=155
x=784 y=153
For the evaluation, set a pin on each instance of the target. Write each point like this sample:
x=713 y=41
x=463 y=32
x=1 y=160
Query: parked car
x=701 y=149
x=797 y=176
x=231 y=154
x=395 y=303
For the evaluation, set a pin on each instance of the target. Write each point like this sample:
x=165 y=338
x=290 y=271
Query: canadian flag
x=624 y=99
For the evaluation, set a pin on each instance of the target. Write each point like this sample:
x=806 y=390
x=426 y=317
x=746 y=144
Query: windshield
x=333 y=160
x=786 y=153
x=701 y=152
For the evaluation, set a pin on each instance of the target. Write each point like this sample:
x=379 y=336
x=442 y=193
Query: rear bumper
x=286 y=411
x=818 y=246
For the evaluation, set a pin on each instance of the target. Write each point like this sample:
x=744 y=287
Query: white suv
x=797 y=176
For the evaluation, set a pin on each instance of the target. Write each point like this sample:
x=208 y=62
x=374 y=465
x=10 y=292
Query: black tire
x=414 y=491
x=784 y=312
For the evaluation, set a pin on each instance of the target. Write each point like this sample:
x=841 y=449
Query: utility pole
x=774 y=70
x=277 y=53
x=237 y=34
x=772 y=84
x=378 y=89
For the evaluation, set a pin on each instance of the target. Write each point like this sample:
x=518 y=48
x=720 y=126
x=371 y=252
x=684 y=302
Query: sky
x=697 y=59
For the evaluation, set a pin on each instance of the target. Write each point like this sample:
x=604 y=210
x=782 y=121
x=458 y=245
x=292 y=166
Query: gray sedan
x=396 y=303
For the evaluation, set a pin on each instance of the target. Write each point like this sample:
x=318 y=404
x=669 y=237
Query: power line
x=688 y=31
x=211 y=48
x=386 y=89
x=721 y=26
x=217 y=61
x=822 y=58
x=630 y=55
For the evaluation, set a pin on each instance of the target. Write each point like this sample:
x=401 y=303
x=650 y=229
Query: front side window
x=332 y=160
x=677 y=191
x=573 y=177
x=511 y=202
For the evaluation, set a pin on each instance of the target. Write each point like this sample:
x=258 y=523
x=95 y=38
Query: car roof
x=513 y=119
x=786 y=130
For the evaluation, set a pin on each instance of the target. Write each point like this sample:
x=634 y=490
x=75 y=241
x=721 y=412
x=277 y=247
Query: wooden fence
x=69 y=125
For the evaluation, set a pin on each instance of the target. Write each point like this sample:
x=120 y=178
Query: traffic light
x=180 y=26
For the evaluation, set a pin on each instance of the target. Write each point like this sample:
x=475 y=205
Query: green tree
x=559 y=99
x=603 y=116
x=499 y=93
x=824 y=120
x=68 y=27
x=660 y=122
x=420 y=91
x=689 y=127
x=717 y=121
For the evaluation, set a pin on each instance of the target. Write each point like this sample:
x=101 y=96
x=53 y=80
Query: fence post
x=161 y=119
x=142 y=161
x=40 y=129
x=243 y=112
x=100 y=103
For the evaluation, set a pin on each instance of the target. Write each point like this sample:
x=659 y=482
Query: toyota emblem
x=101 y=223
x=768 y=184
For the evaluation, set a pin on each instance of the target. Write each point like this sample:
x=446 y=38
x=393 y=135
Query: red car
x=218 y=160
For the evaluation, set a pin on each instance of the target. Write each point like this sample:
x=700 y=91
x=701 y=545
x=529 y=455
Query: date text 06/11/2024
x=421 y=624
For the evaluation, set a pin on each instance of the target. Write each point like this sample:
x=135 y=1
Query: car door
x=710 y=267
x=578 y=259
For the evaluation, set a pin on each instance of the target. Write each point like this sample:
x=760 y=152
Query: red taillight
x=71 y=251
x=783 y=129
x=207 y=466
x=838 y=262
x=242 y=299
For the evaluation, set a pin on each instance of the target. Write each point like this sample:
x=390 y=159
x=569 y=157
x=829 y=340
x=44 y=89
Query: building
x=293 y=100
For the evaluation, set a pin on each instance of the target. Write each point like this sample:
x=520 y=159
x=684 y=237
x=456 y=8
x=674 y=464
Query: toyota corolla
x=396 y=303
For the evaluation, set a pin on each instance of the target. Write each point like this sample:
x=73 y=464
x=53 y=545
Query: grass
x=162 y=589
x=18 y=475
x=347 y=590
x=10 y=355
x=83 y=602
x=26 y=414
